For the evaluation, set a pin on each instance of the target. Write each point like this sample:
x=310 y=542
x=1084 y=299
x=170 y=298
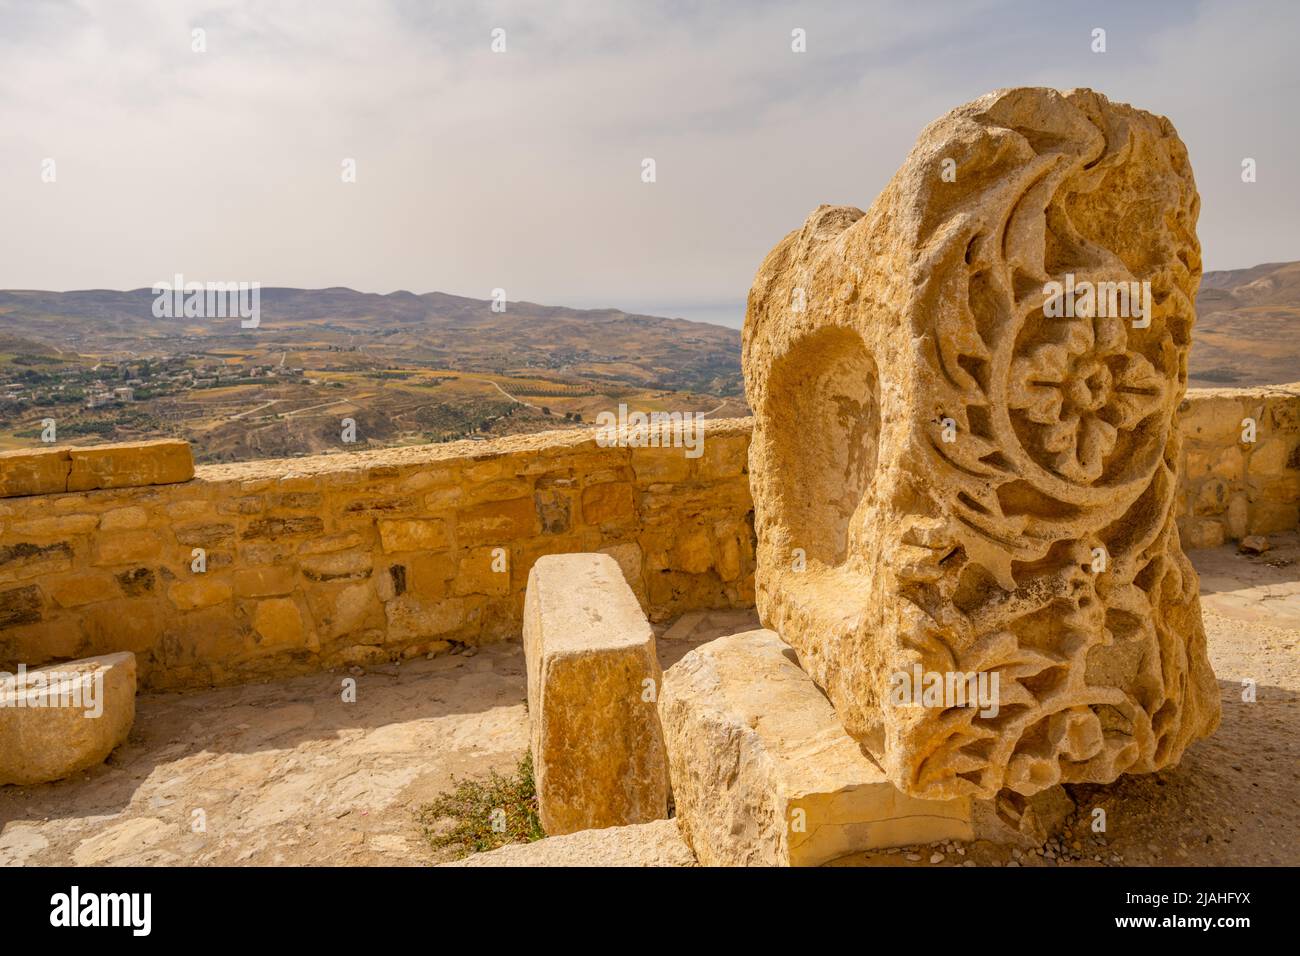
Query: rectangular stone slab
x=763 y=773
x=130 y=464
x=50 y=471
x=593 y=678
x=34 y=471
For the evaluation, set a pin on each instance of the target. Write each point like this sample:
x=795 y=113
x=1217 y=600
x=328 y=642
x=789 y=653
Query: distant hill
x=1248 y=327
x=1247 y=333
x=14 y=345
x=465 y=333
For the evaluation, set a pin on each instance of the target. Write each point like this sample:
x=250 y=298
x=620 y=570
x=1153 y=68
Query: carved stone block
x=965 y=454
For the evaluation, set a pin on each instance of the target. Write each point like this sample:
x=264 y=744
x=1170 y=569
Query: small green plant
x=485 y=814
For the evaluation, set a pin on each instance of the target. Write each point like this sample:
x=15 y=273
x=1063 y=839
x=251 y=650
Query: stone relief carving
x=976 y=469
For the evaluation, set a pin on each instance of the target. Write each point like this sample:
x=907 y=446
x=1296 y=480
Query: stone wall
x=374 y=556
x=364 y=557
x=1232 y=488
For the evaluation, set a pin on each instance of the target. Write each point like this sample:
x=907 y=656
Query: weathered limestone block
x=129 y=464
x=763 y=773
x=947 y=477
x=593 y=678
x=658 y=843
x=38 y=471
x=83 y=715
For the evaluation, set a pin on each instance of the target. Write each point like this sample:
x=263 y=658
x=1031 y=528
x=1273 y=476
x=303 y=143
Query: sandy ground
x=287 y=773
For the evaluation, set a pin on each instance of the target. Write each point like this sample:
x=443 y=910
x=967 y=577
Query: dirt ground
x=287 y=773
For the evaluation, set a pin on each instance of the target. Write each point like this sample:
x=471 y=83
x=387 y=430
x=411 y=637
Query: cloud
x=522 y=170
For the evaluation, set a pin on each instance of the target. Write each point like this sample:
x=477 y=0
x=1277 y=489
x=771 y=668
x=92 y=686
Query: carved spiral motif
x=982 y=481
x=1065 y=431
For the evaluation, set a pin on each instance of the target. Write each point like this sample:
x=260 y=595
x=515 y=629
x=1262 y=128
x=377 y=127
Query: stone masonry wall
x=1232 y=488
x=373 y=556
x=359 y=558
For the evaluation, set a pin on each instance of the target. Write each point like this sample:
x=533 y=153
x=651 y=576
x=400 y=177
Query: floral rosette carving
x=1079 y=393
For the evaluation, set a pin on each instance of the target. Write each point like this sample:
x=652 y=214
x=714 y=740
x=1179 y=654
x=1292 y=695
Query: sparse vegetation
x=479 y=815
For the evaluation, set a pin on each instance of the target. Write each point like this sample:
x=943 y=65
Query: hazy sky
x=522 y=170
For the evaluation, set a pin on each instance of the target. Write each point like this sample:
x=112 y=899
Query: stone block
x=593 y=678
x=606 y=503
x=278 y=623
x=123 y=519
x=663 y=464
x=497 y=523
x=264 y=582
x=483 y=571
x=1213 y=420
x=725 y=456
x=85 y=710
x=199 y=591
x=1270 y=517
x=337 y=566
x=763 y=773
x=1238 y=515
x=127 y=547
x=413 y=534
x=274 y=528
x=204 y=535
x=410 y=618
x=79 y=588
x=1270 y=456
x=342 y=609
x=953 y=412
x=36 y=471
x=427 y=575
x=126 y=624
x=20 y=606
x=130 y=464
x=1203 y=533
x=56 y=528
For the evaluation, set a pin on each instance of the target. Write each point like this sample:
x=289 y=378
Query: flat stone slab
x=62 y=718
x=658 y=843
x=763 y=773
x=130 y=464
x=34 y=471
x=55 y=470
x=593 y=679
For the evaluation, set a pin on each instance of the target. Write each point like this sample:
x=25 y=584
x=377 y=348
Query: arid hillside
x=410 y=369
x=434 y=329
x=1248 y=327
x=404 y=368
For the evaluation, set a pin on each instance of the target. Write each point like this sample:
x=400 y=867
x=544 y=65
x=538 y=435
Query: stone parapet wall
x=1231 y=487
x=378 y=555
x=364 y=557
